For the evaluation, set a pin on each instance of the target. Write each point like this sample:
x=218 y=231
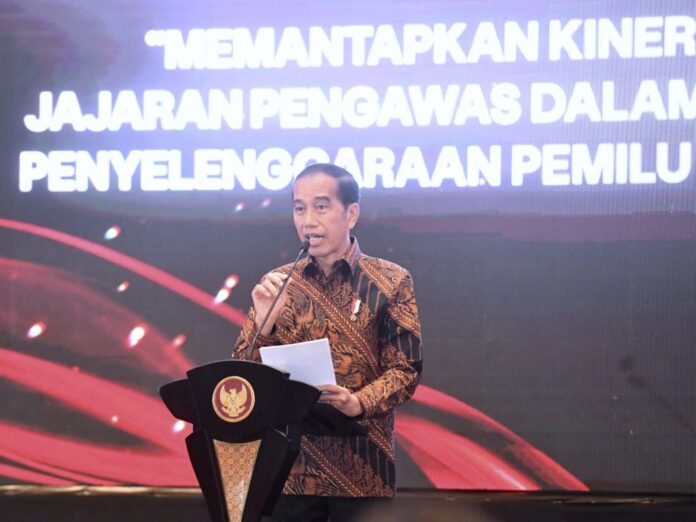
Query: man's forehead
x=315 y=186
x=317 y=197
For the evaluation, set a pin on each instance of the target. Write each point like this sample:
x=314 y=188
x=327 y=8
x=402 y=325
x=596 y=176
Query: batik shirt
x=367 y=310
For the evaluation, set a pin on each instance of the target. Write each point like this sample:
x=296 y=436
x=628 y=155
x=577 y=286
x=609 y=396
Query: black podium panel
x=248 y=420
x=241 y=448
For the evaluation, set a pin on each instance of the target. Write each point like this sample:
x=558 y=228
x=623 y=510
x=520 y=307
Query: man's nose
x=310 y=218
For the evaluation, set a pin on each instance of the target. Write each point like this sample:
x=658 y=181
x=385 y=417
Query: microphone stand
x=250 y=348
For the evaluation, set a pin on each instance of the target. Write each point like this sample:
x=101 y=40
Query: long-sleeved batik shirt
x=367 y=309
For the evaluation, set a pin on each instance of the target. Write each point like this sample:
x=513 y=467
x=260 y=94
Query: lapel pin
x=356 y=310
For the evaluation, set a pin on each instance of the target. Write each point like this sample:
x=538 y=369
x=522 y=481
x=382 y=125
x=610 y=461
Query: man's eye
x=298 y=210
x=322 y=207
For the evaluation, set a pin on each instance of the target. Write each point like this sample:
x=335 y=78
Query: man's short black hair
x=348 y=190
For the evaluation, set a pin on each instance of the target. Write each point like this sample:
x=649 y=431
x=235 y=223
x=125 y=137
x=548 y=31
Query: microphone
x=250 y=349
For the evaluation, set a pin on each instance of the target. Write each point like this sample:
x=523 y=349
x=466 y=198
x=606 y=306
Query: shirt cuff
x=368 y=405
x=261 y=340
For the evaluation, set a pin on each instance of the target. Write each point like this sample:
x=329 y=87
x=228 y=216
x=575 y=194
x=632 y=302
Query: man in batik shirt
x=365 y=306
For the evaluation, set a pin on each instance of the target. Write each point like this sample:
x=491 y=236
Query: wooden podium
x=247 y=421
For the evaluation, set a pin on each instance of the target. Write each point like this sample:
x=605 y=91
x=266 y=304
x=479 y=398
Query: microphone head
x=305 y=246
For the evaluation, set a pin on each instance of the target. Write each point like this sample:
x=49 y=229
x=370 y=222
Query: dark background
x=565 y=315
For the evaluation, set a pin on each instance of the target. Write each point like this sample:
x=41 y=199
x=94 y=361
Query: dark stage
x=136 y=504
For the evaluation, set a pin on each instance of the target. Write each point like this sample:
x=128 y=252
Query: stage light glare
x=36 y=329
x=135 y=336
x=231 y=281
x=222 y=295
x=112 y=233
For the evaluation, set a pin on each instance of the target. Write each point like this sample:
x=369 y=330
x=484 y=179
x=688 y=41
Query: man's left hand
x=341 y=399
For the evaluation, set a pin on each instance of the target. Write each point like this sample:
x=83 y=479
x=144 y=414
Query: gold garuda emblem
x=233 y=399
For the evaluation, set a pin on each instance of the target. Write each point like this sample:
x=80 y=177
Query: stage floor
x=135 y=504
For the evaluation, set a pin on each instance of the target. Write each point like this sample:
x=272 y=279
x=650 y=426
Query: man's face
x=321 y=218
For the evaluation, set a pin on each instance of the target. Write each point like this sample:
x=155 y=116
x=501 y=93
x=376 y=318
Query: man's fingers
x=270 y=288
x=269 y=285
x=340 y=398
x=275 y=278
x=266 y=290
x=331 y=388
x=334 y=395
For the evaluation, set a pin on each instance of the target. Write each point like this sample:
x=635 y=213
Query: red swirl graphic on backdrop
x=158 y=457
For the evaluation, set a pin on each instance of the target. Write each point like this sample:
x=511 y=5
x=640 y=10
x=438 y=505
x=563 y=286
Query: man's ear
x=353 y=212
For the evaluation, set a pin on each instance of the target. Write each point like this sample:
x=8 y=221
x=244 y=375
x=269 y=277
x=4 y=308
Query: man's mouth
x=314 y=239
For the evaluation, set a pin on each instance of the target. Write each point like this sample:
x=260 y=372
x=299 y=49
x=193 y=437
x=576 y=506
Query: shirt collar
x=346 y=263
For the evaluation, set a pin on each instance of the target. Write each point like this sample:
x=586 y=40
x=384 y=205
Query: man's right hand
x=263 y=295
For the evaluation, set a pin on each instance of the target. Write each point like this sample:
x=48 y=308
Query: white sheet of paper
x=308 y=362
